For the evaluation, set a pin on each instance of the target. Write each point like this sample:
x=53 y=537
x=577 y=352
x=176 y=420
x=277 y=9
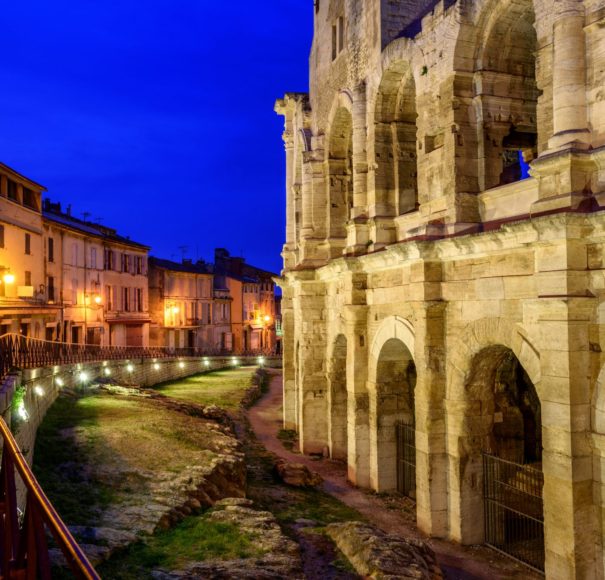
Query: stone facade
x=98 y=278
x=26 y=307
x=429 y=280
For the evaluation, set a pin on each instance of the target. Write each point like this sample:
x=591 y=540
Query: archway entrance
x=340 y=165
x=507 y=445
x=507 y=95
x=338 y=443
x=395 y=145
x=395 y=422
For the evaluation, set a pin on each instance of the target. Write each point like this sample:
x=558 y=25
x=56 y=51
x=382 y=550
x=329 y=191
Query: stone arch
x=395 y=133
x=391 y=327
x=340 y=166
x=391 y=384
x=475 y=394
x=337 y=403
x=498 y=48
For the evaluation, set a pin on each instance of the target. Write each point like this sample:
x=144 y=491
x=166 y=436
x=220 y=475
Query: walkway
x=460 y=562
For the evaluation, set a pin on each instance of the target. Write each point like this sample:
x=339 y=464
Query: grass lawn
x=224 y=389
x=194 y=539
x=89 y=450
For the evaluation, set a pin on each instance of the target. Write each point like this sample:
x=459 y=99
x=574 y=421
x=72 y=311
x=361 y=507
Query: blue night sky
x=157 y=116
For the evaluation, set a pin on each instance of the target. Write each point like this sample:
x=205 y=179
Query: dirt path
x=389 y=514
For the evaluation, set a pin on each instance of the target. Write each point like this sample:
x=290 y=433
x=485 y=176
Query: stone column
x=356 y=319
x=289 y=359
x=570 y=123
x=311 y=376
x=290 y=200
x=431 y=456
x=563 y=316
x=357 y=230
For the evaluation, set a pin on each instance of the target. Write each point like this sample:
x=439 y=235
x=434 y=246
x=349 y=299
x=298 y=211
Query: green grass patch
x=316 y=505
x=224 y=388
x=59 y=463
x=195 y=539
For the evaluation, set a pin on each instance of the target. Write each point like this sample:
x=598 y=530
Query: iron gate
x=514 y=512
x=406 y=458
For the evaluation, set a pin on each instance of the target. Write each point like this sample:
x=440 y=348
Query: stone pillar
x=563 y=316
x=311 y=376
x=357 y=230
x=570 y=123
x=290 y=200
x=356 y=318
x=289 y=359
x=431 y=455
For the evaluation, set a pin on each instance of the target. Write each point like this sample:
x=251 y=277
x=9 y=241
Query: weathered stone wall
x=482 y=264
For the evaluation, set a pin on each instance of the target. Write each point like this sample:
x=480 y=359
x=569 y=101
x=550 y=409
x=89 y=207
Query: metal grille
x=514 y=513
x=406 y=458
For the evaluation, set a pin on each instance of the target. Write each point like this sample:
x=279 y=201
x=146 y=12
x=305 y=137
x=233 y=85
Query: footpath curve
x=459 y=562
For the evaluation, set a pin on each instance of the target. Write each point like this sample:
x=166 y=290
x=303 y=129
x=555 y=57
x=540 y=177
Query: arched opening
x=395 y=384
x=396 y=182
x=501 y=466
x=341 y=173
x=338 y=400
x=506 y=95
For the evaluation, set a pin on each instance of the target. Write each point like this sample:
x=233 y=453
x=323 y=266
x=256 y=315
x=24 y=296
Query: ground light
x=22 y=412
x=107 y=371
x=261 y=360
x=129 y=368
x=207 y=363
x=83 y=377
x=39 y=391
x=59 y=382
x=156 y=366
x=182 y=365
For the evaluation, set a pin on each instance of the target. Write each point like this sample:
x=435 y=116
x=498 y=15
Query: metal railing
x=24 y=549
x=20 y=352
x=406 y=458
x=514 y=510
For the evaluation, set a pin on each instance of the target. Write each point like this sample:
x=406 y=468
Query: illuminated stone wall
x=408 y=220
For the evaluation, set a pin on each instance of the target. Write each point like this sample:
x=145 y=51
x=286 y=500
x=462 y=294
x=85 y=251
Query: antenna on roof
x=183 y=251
x=86 y=215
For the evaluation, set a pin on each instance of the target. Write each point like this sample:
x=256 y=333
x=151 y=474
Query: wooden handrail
x=25 y=550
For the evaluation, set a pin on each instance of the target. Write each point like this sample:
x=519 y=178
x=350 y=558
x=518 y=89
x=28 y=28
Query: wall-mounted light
x=83 y=377
x=39 y=391
x=181 y=365
x=59 y=382
x=107 y=371
x=156 y=366
x=129 y=368
x=9 y=277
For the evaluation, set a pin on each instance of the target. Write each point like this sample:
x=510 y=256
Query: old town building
x=98 y=278
x=444 y=279
x=253 y=293
x=228 y=306
x=27 y=306
x=181 y=304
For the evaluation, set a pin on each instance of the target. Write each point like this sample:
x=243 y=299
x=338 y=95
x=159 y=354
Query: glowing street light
x=8 y=278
